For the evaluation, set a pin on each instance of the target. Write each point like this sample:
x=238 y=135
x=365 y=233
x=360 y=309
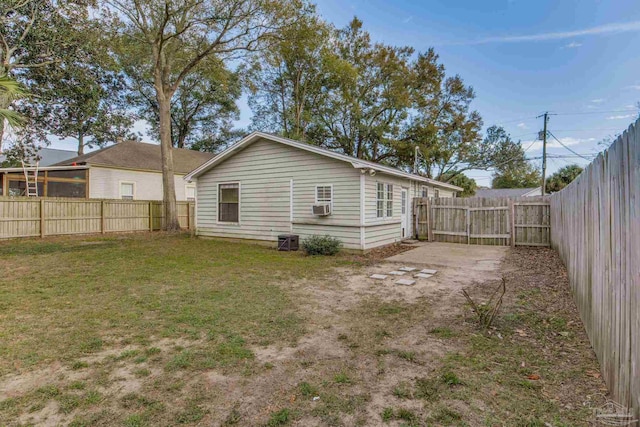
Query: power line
x=560 y=142
x=501 y=122
x=587 y=130
x=597 y=112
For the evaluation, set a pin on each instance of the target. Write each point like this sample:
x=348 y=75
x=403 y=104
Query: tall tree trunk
x=168 y=184
x=80 y=143
x=2 y=127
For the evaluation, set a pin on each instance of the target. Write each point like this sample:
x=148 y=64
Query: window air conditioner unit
x=323 y=209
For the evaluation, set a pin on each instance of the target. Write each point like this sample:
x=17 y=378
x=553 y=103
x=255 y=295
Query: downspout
x=362 y=208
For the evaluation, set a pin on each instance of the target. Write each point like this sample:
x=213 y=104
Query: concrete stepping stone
x=409 y=269
x=423 y=275
x=428 y=271
x=378 y=276
x=397 y=273
x=405 y=282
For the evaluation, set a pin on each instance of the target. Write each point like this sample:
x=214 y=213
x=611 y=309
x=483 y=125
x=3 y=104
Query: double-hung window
x=380 y=200
x=324 y=194
x=389 y=200
x=229 y=202
x=384 y=200
x=424 y=191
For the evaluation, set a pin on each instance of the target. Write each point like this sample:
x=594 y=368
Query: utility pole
x=544 y=153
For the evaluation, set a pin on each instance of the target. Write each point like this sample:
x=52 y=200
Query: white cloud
x=620 y=27
x=522 y=126
x=622 y=116
x=407 y=20
x=636 y=87
x=597 y=101
x=572 y=45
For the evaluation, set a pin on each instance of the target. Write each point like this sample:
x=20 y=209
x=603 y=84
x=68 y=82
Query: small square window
x=324 y=194
x=127 y=190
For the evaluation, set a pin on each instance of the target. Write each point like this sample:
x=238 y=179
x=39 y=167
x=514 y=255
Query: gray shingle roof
x=503 y=192
x=140 y=155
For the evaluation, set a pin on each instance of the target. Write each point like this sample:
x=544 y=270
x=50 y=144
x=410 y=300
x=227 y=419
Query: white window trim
x=218 y=204
x=385 y=199
x=133 y=183
x=316 y=194
x=186 y=194
x=422 y=192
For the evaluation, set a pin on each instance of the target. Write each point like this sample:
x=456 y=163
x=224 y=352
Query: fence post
x=103 y=220
x=468 y=220
x=512 y=212
x=42 y=219
x=429 y=226
x=150 y=216
x=188 y=216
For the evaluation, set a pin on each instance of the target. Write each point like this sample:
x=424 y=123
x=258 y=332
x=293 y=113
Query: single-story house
x=126 y=170
x=265 y=186
x=508 y=192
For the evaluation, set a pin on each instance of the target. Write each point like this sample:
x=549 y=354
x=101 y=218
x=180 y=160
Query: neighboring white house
x=508 y=192
x=265 y=186
x=127 y=170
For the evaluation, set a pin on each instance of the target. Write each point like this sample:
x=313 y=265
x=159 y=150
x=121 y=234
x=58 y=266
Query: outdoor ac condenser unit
x=323 y=209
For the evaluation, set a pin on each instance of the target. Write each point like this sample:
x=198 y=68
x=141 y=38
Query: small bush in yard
x=321 y=245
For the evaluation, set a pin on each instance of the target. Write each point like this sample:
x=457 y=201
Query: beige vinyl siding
x=265 y=170
x=104 y=183
x=384 y=231
x=350 y=236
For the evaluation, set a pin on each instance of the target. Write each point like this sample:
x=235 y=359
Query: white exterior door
x=405 y=213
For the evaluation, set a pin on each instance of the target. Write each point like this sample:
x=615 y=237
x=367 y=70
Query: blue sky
x=578 y=59
x=524 y=57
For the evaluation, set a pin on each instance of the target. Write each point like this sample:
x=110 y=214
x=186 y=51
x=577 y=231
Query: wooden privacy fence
x=484 y=221
x=596 y=231
x=31 y=217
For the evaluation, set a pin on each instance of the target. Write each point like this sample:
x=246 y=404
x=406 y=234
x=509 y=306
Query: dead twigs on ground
x=487 y=311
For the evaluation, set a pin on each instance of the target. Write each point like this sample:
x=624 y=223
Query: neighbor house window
x=424 y=191
x=127 y=190
x=190 y=193
x=229 y=202
x=384 y=200
x=324 y=194
x=436 y=194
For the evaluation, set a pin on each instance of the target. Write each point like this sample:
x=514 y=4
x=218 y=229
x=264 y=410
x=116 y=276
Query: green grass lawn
x=63 y=299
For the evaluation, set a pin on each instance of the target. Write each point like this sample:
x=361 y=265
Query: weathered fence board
x=595 y=228
x=484 y=221
x=30 y=217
